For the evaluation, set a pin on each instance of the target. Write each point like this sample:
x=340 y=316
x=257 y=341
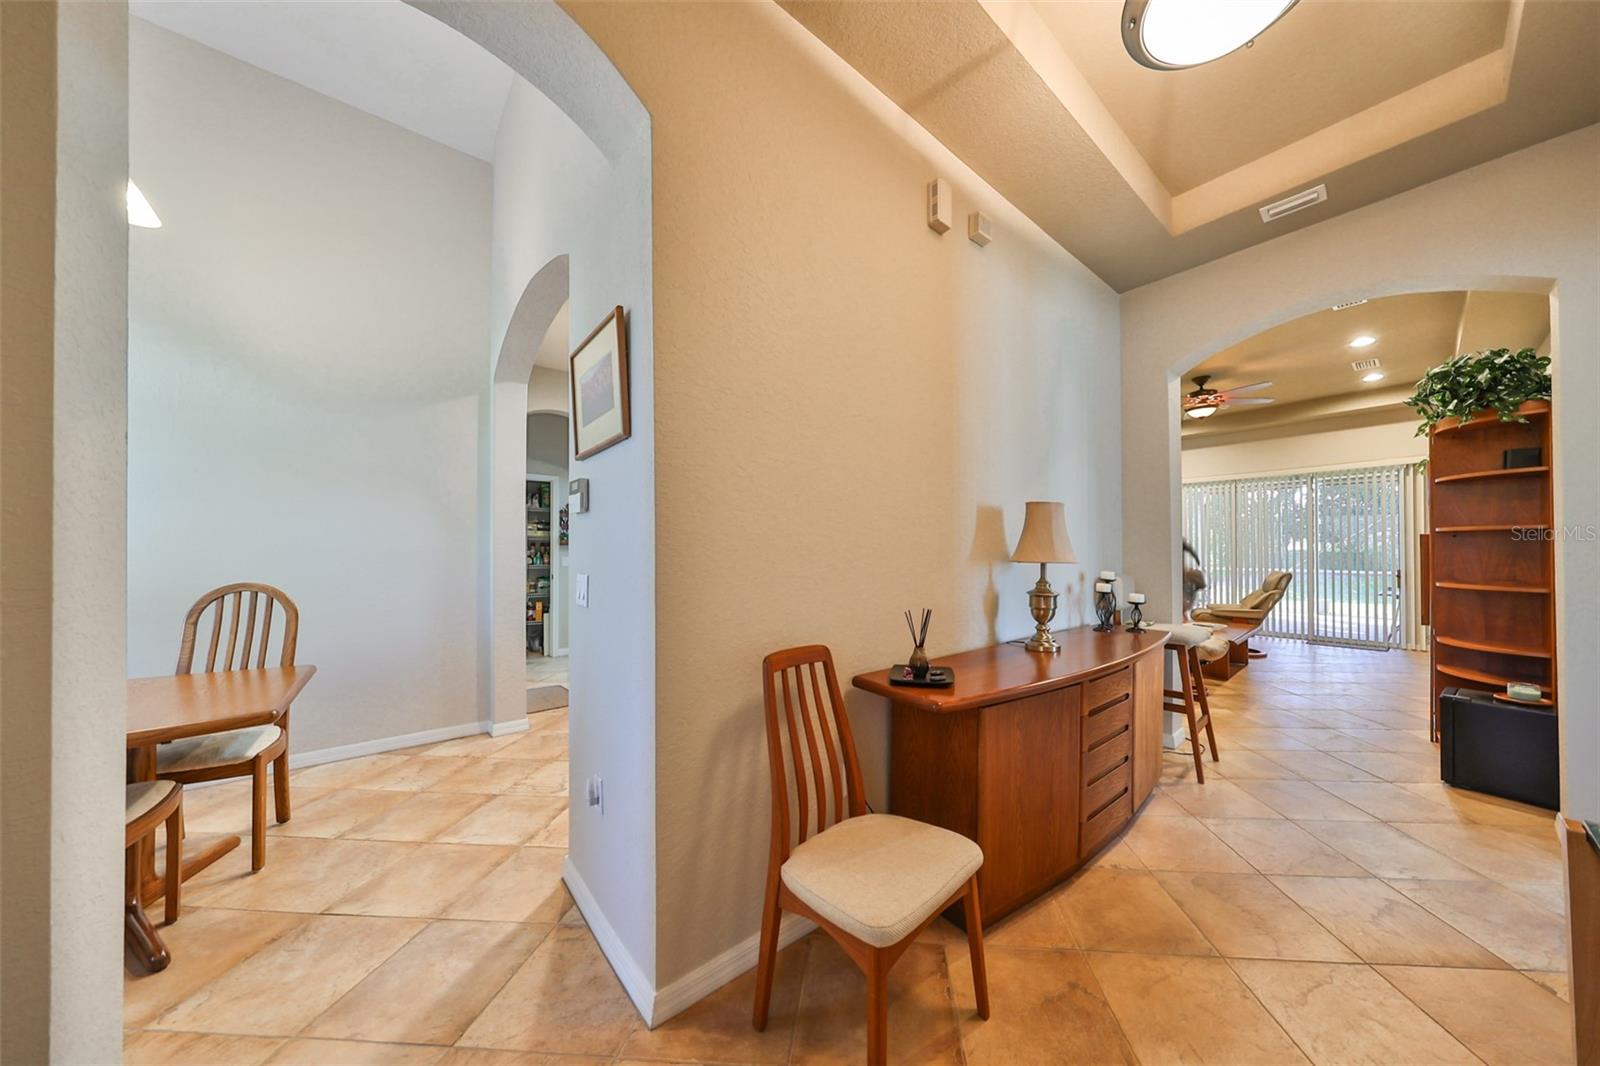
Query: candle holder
x=1105 y=605
x=1135 y=614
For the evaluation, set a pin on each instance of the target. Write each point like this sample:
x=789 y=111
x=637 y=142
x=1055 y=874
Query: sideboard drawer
x=1106 y=689
x=1096 y=794
x=1107 y=756
x=1104 y=824
x=1107 y=722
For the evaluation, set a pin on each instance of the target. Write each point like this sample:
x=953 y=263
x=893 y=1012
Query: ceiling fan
x=1204 y=402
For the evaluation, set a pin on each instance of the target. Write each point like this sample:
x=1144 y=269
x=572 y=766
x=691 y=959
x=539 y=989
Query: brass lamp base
x=1042 y=604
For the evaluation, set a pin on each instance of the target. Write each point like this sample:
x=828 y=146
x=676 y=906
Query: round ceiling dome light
x=1175 y=34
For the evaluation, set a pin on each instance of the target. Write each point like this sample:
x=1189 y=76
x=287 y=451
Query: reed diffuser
x=919 y=637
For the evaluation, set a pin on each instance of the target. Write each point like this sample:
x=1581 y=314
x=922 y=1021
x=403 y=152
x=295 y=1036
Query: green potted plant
x=1491 y=380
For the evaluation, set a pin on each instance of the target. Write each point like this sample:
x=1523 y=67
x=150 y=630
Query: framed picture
x=600 y=415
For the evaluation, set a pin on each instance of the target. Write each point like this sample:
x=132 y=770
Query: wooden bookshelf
x=1491 y=559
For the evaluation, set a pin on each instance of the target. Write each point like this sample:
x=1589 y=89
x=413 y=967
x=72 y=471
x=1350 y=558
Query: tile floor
x=546 y=670
x=1321 y=898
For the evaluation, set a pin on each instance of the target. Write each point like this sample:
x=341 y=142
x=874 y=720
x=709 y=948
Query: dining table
x=177 y=706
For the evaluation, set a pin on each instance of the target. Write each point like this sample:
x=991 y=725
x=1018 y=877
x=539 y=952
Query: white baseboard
x=299 y=759
x=711 y=975
x=633 y=979
x=505 y=729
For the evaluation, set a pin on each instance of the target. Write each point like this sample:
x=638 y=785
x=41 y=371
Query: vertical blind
x=1349 y=537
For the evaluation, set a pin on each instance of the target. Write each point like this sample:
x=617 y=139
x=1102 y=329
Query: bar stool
x=1185 y=640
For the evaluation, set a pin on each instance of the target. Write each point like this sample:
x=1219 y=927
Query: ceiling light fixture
x=140 y=213
x=1201 y=412
x=1366 y=340
x=1175 y=34
x=1372 y=375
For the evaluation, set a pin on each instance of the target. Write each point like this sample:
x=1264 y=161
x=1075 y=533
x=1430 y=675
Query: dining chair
x=1185 y=640
x=244 y=608
x=871 y=881
x=148 y=804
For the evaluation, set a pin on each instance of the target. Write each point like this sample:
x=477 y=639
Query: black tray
x=938 y=677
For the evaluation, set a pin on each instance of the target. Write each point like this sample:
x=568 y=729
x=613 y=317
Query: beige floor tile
x=1512 y=926
x=548 y=779
x=204 y=944
x=1320 y=766
x=225 y=808
x=479 y=744
x=195 y=1049
x=1244 y=763
x=1046 y=1007
x=1381 y=925
x=425 y=882
x=1556 y=981
x=1478 y=807
x=564 y=999
x=1041 y=924
x=1125 y=910
x=1280 y=846
x=1181 y=844
x=353 y=1053
x=347 y=773
x=279 y=989
x=1503 y=853
x=1118 y=855
x=1303 y=800
x=490 y=777
x=1176 y=1009
x=1414 y=741
x=1387 y=852
x=1500 y=1015
x=1348 y=1014
x=718 y=1029
x=1551 y=895
x=553 y=835
x=419 y=817
x=540 y=747
x=333 y=813
x=526 y=887
x=302 y=874
x=417 y=773
x=1264 y=738
x=505 y=820
x=1219 y=799
x=429 y=991
x=1247 y=916
x=471 y=1056
x=1394 y=766
x=1391 y=802
x=553 y=721
x=1161 y=805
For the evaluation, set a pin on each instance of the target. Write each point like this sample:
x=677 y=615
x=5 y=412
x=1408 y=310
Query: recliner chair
x=1254 y=607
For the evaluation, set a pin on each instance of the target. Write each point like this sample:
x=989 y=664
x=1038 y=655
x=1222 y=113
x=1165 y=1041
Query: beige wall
x=63 y=321
x=1391 y=442
x=1525 y=222
x=851 y=411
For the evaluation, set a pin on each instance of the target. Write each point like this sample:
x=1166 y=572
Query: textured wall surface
x=1525 y=222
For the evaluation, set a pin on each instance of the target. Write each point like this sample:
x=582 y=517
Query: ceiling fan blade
x=1249 y=401
x=1234 y=390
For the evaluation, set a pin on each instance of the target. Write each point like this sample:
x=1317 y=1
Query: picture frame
x=598 y=368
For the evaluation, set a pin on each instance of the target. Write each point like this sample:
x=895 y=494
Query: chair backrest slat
x=265 y=602
x=814 y=804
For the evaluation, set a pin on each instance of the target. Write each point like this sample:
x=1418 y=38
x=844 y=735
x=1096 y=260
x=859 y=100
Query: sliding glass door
x=1347 y=536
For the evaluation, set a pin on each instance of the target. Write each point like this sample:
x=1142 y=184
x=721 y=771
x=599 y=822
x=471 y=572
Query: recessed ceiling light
x=140 y=213
x=1372 y=375
x=1366 y=340
x=1174 y=34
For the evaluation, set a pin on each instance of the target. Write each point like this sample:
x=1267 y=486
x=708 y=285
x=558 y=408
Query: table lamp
x=1044 y=540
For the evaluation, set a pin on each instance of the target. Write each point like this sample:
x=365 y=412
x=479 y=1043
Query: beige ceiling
x=1324 y=61
x=1309 y=359
x=1141 y=174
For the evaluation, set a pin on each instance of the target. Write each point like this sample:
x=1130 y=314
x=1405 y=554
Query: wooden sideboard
x=1039 y=758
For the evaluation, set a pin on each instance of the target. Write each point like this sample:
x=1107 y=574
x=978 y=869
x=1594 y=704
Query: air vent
x=1290 y=204
x=1349 y=304
x=1361 y=366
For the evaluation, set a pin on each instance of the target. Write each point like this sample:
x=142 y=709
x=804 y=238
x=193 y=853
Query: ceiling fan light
x=1174 y=34
x=1201 y=412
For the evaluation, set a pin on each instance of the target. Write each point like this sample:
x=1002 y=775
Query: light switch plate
x=580 y=590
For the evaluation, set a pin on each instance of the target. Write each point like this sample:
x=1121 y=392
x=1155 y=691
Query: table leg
x=193 y=863
x=140 y=935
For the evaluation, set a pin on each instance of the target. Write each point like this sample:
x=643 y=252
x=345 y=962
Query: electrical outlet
x=597 y=793
x=580 y=590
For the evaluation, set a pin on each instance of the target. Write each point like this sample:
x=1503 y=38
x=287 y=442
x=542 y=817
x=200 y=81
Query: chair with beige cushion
x=1190 y=700
x=1254 y=607
x=871 y=881
x=148 y=804
x=245 y=612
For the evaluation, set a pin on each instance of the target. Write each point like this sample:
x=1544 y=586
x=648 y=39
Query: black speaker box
x=1504 y=749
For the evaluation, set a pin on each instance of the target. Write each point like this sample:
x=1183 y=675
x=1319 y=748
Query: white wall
x=1391 y=442
x=851 y=412
x=1525 y=222
x=306 y=358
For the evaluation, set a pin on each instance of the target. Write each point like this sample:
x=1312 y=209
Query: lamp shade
x=1044 y=535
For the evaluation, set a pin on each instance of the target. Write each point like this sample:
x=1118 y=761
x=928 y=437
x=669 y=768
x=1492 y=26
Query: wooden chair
x=870 y=881
x=149 y=803
x=1185 y=641
x=238 y=752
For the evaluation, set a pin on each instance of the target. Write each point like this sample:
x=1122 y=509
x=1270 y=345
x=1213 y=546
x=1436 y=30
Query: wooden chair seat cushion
x=879 y=876
x=1190 y=636
x=143 y=796
x=216 y=749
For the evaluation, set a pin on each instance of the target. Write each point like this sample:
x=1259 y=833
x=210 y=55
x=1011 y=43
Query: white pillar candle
x=1135 y=597
x=1102 y=586
x=1108 y=575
